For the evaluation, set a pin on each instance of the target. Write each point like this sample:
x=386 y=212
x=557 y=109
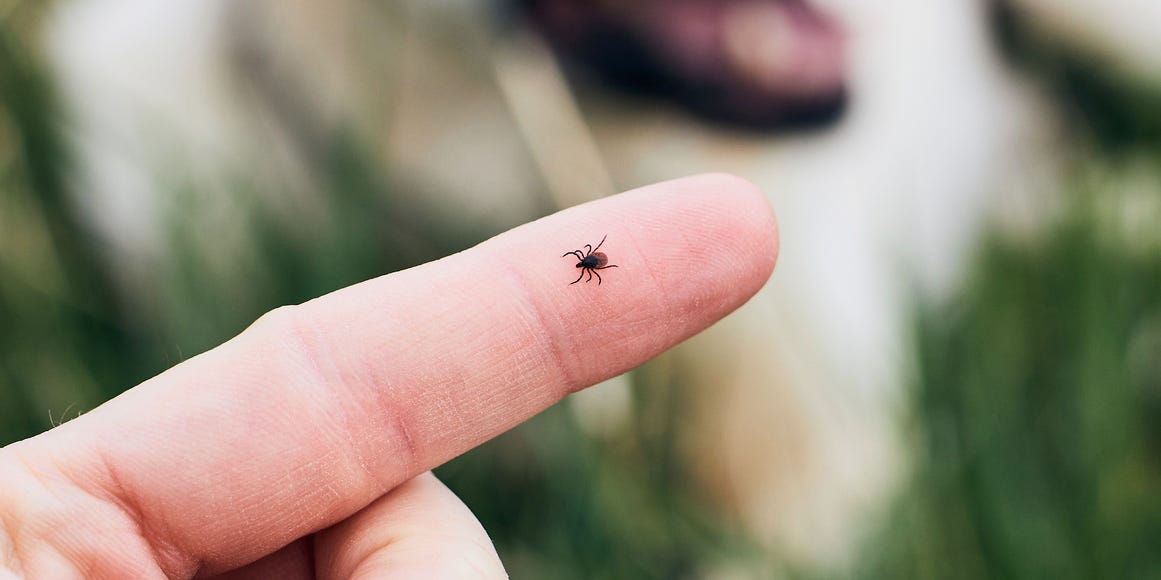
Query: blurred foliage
x=1036 y=411
x=1037 y=417
x=1114 y=108
x=1038 y=400
x=59 y=336
x=560 y=504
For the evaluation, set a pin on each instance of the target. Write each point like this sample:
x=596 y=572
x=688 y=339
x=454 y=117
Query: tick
x=590 y=262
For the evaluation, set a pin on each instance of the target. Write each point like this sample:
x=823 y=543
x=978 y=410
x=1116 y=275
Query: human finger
x=420 y=529
x=318 y=409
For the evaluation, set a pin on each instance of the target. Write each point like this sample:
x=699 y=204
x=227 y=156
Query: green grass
x=1036 y=417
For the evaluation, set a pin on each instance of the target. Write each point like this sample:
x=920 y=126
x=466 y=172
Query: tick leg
x=606 y=267
x=577 y=278
x=574 y=252
x=590 y=249
x=602 y=242
x=590 y=278
x=598 y=277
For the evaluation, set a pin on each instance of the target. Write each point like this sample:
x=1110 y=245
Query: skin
x=301 y=448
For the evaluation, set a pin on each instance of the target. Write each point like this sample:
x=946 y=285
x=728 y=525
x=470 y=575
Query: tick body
x=590 y=262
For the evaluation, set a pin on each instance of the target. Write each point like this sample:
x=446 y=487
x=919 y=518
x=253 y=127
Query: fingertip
x=689 y=251
x=756 y=221
x=735 y=215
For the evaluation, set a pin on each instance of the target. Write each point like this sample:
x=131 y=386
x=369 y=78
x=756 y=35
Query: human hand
x=300 y=448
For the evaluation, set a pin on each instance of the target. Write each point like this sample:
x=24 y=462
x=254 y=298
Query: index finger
x=318 y=409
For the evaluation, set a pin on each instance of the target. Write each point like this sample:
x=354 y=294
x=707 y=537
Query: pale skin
x=302 y=447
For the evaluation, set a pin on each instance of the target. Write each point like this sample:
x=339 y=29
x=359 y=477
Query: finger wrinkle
x=401 y=426
x=552 y=347
x=51 y=527
x=314 y=345
x=308 y=340
x=168 y=557
x=39 y=522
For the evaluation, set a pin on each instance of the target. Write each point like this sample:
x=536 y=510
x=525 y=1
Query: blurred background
x=954 y=373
